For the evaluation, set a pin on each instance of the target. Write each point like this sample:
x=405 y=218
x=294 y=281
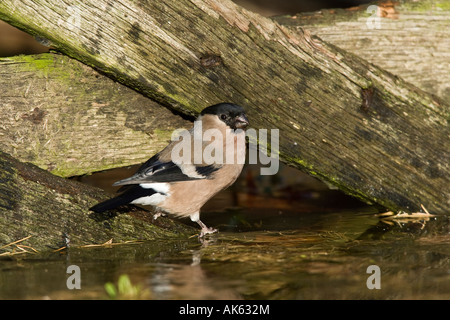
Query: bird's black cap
x=232 y=115
x=224 y=108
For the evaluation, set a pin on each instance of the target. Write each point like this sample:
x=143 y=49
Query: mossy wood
x=53 y=213
x=408 y=38
x=341 y=119
x=65 y=117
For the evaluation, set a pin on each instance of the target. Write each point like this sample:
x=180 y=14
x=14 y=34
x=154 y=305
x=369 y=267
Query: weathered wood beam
x=409 y=38
x=71 y=120
x=53 y=213
x=341 y=118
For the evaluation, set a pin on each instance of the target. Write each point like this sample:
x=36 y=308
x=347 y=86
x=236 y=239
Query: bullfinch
x=191 y=169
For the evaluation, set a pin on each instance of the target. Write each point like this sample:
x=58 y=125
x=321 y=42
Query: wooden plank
x=341 y=118
x=410 y=39
x=71 y=120
x=53 y=213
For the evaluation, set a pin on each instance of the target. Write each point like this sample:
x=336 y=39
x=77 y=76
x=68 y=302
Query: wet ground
x=276 y=241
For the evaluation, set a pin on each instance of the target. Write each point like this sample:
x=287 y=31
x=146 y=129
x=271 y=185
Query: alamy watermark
x=374 y=280
x=74 y=280
x=374 y=21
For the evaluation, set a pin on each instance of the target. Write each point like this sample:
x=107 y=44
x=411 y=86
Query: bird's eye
x=223 y=116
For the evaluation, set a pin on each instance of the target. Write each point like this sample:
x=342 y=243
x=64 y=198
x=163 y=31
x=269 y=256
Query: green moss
x=163 y=134
x=426 y=6
x=43 y=62
x=275 y=117
x=65 y=171
x=443 y=5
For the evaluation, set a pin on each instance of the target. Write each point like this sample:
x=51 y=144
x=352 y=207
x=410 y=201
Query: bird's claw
x=206 y=231
x=157 y=215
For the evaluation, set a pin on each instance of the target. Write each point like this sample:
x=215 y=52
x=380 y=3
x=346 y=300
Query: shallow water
x=276 y=255
x=281 y=237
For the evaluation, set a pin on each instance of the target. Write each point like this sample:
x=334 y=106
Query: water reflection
x=283 y=242
x=323 y=264
x=327 y=258
x=315 y=264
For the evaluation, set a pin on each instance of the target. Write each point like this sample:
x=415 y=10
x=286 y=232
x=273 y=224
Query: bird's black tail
x=110 y=204
x=131 y=193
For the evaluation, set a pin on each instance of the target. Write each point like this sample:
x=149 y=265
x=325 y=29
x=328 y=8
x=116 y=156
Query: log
x=341 y=119
x=52 y=212
x=67 y=118
x=410 y=39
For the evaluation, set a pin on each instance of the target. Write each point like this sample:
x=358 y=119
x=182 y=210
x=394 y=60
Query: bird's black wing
x=155 y=170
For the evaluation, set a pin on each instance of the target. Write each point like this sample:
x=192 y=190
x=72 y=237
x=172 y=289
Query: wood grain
x=341 y=118
x=54 y=213
x=410 y=39
x=70 y=120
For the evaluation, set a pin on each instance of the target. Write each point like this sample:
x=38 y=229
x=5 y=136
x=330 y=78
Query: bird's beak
x=241 y=122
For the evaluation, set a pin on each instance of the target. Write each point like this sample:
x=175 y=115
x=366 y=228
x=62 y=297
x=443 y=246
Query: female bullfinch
x=182 y=177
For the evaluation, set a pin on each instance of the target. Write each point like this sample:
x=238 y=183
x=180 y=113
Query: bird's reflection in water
x=176 y=281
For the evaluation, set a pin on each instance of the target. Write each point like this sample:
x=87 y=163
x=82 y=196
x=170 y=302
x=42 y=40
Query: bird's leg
x=205 y=230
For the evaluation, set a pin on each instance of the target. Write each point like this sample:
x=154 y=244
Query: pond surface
x=305 y=246
x=312 y=256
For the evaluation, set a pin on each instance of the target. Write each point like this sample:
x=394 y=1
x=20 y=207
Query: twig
x=110 y=243
x=17 y=241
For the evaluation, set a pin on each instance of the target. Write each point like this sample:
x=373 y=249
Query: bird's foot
x=157 y=215
x=205 y=230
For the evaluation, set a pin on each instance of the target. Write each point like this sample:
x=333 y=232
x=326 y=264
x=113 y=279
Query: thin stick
x=10 y=244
